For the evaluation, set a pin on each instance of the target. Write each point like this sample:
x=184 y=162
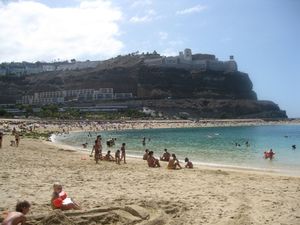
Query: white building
x=187 y=60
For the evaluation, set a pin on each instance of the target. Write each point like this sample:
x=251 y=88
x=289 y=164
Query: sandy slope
x=197 y=196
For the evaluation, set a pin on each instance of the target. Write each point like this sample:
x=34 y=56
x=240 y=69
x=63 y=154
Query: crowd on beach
x=120 y=155
x=60 y=199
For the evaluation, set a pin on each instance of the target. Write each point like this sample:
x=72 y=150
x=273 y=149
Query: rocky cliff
x=206 y=94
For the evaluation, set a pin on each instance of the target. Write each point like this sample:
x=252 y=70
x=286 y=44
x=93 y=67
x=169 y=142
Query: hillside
x=196 y=93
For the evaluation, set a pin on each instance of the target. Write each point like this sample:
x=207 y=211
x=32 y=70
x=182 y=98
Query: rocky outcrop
x=207 y=94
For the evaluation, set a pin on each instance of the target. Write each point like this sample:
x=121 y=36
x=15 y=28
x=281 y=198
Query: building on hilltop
x=187 y=60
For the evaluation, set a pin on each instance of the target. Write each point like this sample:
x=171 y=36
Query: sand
x=132 y=193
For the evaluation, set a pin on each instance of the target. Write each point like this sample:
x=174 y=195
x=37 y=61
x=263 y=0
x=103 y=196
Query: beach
x=132 y=193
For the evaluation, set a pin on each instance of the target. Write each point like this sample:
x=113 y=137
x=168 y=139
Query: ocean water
x=217 y=146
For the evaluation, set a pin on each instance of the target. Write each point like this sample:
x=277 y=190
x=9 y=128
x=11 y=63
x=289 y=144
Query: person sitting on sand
x=108 y=157
x=18 y=217
x=166 y=156
x=152 y=162
x=117 y=157
x=174 y=163
x=60 y=200
x=146 y=154
x=189 y=164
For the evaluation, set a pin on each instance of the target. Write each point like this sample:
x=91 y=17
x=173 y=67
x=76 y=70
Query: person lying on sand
x=174 y=163
x=108 y=157
x=189 y=164
x=146 y=154
x=18 y=217
x=60 y=200
x=166 y=156
x=152 y=162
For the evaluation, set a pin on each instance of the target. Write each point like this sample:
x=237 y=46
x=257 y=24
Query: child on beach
x=189 y=164
x=174 y=163
x=17 y=139
x=60 y=200
x=108 y=157
x=117 y=157
x=123 y=154
x=152 y=162
x=146 y=154
x=18 y=217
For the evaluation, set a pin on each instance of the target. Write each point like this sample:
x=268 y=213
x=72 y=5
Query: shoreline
x=197 y=164
x=179 y=124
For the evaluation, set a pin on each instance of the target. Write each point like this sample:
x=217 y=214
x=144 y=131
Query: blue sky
x=263 y=35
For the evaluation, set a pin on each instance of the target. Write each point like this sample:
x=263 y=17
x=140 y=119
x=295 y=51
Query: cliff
x=207 y=94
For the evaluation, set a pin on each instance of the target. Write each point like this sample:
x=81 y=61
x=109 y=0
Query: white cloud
x=194 y=9
x=141 y=3
x=147 y=17
x=33 y=31
x=163 y=35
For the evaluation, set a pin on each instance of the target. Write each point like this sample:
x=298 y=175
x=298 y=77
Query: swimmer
x=144 y=141
x=293 y=147
x=269 y=155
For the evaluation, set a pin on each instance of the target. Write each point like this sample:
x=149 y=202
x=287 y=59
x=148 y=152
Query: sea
x=240 y=147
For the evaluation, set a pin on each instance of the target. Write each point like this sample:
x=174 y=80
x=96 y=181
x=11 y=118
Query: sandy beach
x=132 y=193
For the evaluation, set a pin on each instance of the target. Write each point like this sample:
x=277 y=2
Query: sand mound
x=56 y=217
x=130 y=214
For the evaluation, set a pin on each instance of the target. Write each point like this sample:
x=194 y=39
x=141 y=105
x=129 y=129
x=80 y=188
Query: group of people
x=120 y=154
x=13 y=143
x=173 y=162
x=59 y=200
x=269 y=155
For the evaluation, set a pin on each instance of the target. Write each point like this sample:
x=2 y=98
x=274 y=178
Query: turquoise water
x=210 y=146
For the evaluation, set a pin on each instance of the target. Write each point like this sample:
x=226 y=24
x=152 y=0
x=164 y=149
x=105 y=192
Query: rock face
x=207 y=94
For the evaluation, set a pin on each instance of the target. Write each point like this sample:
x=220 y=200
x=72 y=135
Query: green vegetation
x=37 y=135
x=53 y=111
x=127 y=114
x=4 y=113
